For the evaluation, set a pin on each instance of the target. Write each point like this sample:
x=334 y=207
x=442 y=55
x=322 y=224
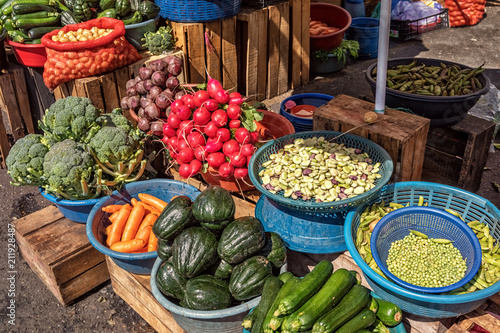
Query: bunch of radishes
x=211 y=128
x=151 y=92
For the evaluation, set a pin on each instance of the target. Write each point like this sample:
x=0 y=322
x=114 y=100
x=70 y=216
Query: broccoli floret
x=159 y=41
x=70 y=118
x=117 y=119
x=71 y=171
x=25 y=160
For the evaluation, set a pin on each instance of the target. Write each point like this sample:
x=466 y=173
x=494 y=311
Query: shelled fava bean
x=426 y=262
x=80 y=35
x=315 y=168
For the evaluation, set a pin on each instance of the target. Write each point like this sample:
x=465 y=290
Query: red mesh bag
x=465 y=12
x=67 y=61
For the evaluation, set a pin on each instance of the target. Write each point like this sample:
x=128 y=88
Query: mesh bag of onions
x=96 y=53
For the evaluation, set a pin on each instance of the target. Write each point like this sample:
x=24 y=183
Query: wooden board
x=401 y=134
x=59 y=252
x=10 y=101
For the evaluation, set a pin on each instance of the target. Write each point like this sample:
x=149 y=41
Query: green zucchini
x=9 y=25
x=389 y=313
x=272 y=285
x=285 y=276
x=307 y=287
x=34 y=15
x=18 y=36
x=26 y=8
x=364 y=330
x=38 y=2
x=378 y=327
x=337 y=286
x=272 y=323
x=349 y=306
x=39 y=22
x=33 y=41
x=372 y=305
x=38 y=32
x=2 y=2
x=6 y=9
x=361 y=321
x=248 y=320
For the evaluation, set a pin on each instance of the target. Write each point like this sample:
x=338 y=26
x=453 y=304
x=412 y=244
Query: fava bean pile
x=80 y=35
x=426 y=262
x=317 y=169
x=426 y=80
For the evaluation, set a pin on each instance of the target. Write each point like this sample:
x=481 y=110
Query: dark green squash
x=107 y=4
x=194 y=251
x=176 y=217
x=82 y=10
x=247 y=279
x=68 y=17
x=206 y=292
x=134 y=5
x=274 y=249
x=169 y=282
x=123 y=7
x=214 y=208
x=110 y=12
x=241 y=239
x=132 y=18
x=223 y=270
x=149 y=9
x=164 y=249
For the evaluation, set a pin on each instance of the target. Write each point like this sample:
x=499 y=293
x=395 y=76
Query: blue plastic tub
x=74 y=210
x=198 y=10
x=136 y=263
x=365 y=31
x=303 y=124
x=470 y=206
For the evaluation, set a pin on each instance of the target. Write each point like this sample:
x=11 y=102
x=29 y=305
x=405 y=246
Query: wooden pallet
x=59 y=252
x=486 y=317
x=401 y=134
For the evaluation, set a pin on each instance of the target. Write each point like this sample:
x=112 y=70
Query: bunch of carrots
x=317 y=28
x=131 y=224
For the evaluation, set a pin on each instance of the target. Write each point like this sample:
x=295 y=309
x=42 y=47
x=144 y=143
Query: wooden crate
x=401 y=134
x=105 y=91
x=15 y=106
x=58 y=251
x=486 y=317
x=456 y=155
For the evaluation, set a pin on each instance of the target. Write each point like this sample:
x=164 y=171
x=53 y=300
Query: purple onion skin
x=139 y=87
x=172 y=83
x=158 y=78
x=154 y=92
x=124 y=103
x=131 y=91
x=162 y=101
x=145 y=73
x=130 y=83
x=156 y=127
x=143 y=124
x=145 y=102
x=140 y=113
x=152 y=111
x=169 y=93
x=137 y=79
x=148 y=84
x=134 y=103
x=179 y=94
x=174 y=69
x=158 y=65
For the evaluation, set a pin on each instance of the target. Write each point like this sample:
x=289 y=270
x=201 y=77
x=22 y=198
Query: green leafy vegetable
x=347 y=46
x=249 y=116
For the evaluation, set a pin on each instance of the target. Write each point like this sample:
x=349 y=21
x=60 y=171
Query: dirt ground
x=101 y=310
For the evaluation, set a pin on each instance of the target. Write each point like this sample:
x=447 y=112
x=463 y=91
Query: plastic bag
x=67 y=61
x=410 y=11
x=488 y=107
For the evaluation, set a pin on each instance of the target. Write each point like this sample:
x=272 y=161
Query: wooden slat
x=83 y=283
x=23 y=100
x=109 y=87
x=252 y=56
x=229 y=55
x=273 y=49
x=196 y=52
x=304 y=58
x=485 y=320
x=284 y=48
x=262 y=24
x=296 y=7
x=58 y=93
x=122 y=75
x=37 y=220
x=213 y=49
x=4 y=142
x=94 y=91
x=8 y=98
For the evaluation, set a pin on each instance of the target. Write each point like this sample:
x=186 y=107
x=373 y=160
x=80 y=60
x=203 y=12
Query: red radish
x=221 y=96
x=226 y=170
x=200 y=97
x=240 y=173
x=235 y=94
x=219 y=117
x=237 y=159
x=186 y=155
x=168 y=131
x=213 y=86
x=216 y=159
x=200 y=154
x=175 y=105
x=211 y=105
x=223 y=134
x=254 y=137
x=195 y=166
x=185 y=127
x=196 y=139
x=165 y=140
x=233 y=111
x=172 y=154
x=248 y=149
x=242 y=135
x=173 y=121
x=248 y=160
x=185 y=170
x=230 y=147
x=211 y=129
x=213 y=146
x=235 y=98
x=235 y=123
x=173 y=143
x=183 y=112
x=201 y=116
x=182 y=143
x=188 y=100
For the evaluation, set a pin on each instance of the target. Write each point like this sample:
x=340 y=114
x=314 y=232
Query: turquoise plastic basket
x=470 y=206
x=377 y=154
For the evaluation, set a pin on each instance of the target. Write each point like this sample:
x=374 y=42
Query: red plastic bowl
x=274 y=126
x=31 y=55
x=333 y=16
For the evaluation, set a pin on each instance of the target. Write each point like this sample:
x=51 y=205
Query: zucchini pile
x=323 y=301
x=210 y=259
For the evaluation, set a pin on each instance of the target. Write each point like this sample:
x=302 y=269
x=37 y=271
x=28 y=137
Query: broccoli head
x=25 y=160
x=117 y=119
x=71 y=171
x=159 y=41
x=70 y=118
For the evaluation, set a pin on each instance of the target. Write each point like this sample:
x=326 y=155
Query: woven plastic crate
x=198 y=10
x=376 y=153
x=406 y=30
x=470 y=206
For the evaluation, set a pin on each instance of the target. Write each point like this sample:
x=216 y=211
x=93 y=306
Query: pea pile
x=317 y=169
x=426 y=262
x=80 y=35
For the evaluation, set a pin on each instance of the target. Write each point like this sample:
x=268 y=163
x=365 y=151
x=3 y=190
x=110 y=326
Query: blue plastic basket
x=74 y=210
x=376 y=152
x=198 y=10
x=303 y=124
x=470 y=206
x=433 y=222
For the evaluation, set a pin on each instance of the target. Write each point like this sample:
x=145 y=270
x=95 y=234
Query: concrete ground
x=37 y=310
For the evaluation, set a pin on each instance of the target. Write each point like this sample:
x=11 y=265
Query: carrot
x=108 y=229
x=115 y=233
x=133 y=222
x=153 y=201
x=129 y=246
x=144 y=233
x=314 y=23
x=134 y=202
x=318 y=25
x=144 y=249
x=149 y=208
x=113 y=216
x=111 y=208
x=152 y=243
x=148 y=220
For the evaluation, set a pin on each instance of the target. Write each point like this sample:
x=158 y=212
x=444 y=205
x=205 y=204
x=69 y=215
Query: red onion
x=156 y=127
x=162 y=101
x=139 y=87
x=157 y=65
x=172 y=82
x=174 y=69
x=130 y=83
x=134 y=103
x=154 y=92
x=143 y=124
x=144 y=101
x=131 y=91
x=145 y=73
x=152 y=111
x=179 y=94
x=158 y=78
x=147 y=85
x=124 y=103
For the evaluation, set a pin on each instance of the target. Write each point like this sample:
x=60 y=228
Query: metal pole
x=383 y=50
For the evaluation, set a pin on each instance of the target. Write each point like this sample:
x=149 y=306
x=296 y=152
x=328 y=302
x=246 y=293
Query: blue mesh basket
x=198 y=10
x=376 y=152
x=470 y=206
x=433 y=222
